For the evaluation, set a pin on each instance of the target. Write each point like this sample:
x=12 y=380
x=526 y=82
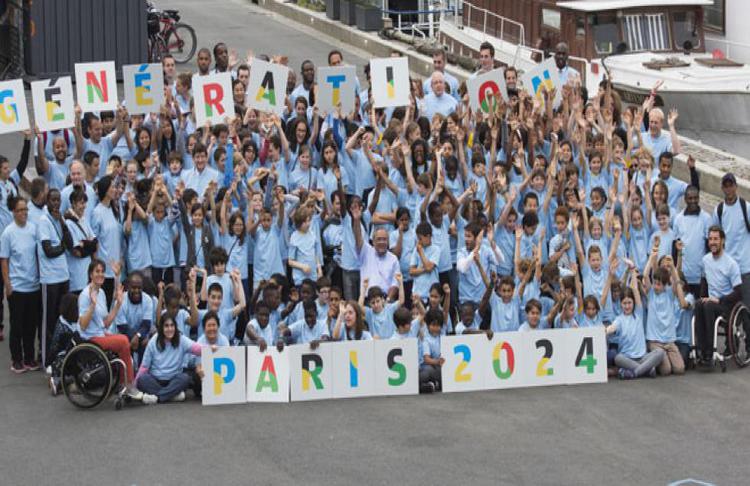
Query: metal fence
x=60 y=33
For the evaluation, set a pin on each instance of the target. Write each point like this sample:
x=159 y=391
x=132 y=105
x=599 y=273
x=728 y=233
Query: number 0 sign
x=516 y=359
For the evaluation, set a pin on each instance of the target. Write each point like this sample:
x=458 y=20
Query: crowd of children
x=377 y=224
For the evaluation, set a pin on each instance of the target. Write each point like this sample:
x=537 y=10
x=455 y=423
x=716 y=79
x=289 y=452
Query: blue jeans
x=164 y=389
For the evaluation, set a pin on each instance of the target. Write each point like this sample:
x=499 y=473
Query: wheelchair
x=88 y=375
x=735 y=331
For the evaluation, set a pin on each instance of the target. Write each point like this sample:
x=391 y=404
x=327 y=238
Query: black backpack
x=743 y=207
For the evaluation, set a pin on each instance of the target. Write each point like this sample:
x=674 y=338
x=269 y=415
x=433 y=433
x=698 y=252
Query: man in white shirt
x=438 y=62
x=438 y=101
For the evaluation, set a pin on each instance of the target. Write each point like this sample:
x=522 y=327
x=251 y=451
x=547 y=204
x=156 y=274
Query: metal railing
x=425 y=28
x=489 y=23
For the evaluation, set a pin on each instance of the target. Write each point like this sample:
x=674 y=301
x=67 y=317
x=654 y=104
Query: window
x=646 y=32
x=551 y=18
x=714 y=16
x=685 y=29
x=605 y=32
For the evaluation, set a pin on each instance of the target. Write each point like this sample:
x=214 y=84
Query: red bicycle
x=166 y=35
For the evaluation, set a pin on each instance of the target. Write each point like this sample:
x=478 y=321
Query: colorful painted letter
x=336 y=85
x=390 y=81
x=484 y=88
x=266 y=87
x=54 y=108
x=14 y=116
x=267 y=375
x=144 y=88
x=212 y=95
x=96 y=86
x=224 y=375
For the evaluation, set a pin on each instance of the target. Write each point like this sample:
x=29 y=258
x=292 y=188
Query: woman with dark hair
x=350 y=325
x=21 y=278
x=95 y=318
x=161 y=377
x=329 y=165
x=106 y=222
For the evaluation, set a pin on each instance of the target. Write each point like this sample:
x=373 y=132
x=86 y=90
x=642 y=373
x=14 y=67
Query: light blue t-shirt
x=505 y=316
x=304 y=248
x=227 y=296
x=268 y=333
x=96 y=324
x=139 y=246
x=629 y=332
x=722 y=274
x=424 y=281
x=17 y=244
x=165 y=364
x=381 y=324
x=303 y=334
x=108 y=231
x=160 y=240
x=51 y=270
x=692 y=231
x=134 y=315
x=661 y=324
x=737 y=243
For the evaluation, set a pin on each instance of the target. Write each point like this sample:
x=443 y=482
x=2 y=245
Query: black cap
x=728 y=179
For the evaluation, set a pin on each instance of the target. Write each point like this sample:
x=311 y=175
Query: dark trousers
x=2 y=308
x=706 y=314
x=165 y=275
x=164 y=389
x=351 y=284
x=25 y=319
x=52 y=294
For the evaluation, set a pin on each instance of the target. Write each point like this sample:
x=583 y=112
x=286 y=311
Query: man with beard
x=690 y=228
x=561 y=61
x=722 y=285
x=53 y=239
x=308 y=79
x=136 y=315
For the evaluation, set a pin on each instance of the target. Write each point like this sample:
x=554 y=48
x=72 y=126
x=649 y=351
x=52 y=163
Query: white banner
x=396 y=367
x=482 y=90
x=389 y=78
x=224 y=375
x=212 y=95
x=54 y=108
x=14 y=116
x=543 y=76
x=353 y=369
x=311 y=372
x=522 y=359
x=336 y=85
x=267 y=375
x=144 y=88
x=96 y=86
x=266 y=88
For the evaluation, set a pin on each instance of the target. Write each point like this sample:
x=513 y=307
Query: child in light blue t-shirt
x=379 y=313
x=631 y=358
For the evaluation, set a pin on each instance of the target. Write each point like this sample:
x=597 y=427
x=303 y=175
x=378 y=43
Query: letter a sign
x=266 y=89
x=213 y=98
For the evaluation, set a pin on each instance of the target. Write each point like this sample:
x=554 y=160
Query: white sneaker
x=180 y=397
x=149 y=399
x=135 y=394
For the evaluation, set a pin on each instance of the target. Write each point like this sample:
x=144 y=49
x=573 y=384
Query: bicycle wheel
x=738 y=341
x=181 y=43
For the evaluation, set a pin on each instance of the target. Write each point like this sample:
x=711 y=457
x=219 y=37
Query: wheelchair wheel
x=738 y=338
x=86 y=376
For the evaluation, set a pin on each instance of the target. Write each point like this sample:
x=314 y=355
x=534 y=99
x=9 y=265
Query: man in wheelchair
x=722 y=283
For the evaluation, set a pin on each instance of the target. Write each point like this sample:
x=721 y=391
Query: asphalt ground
x=643 y=432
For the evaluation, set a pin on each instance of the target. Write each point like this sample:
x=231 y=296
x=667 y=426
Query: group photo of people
x=159 y=240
